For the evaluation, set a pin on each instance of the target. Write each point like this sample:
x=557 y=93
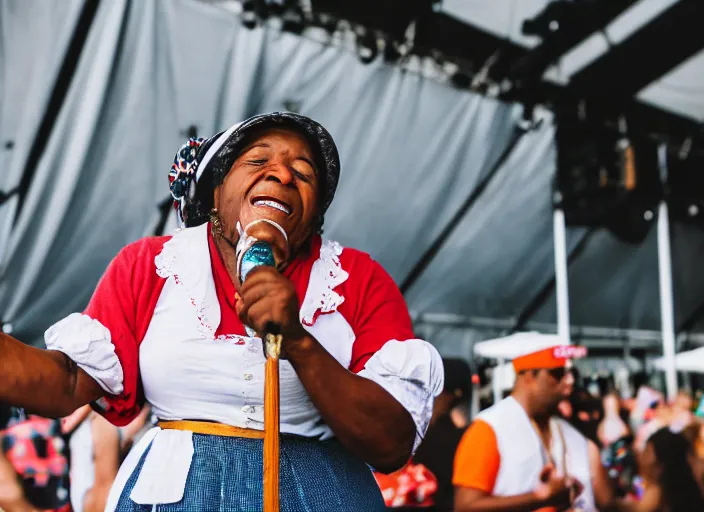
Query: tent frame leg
x=561 y=280
x=667 y=313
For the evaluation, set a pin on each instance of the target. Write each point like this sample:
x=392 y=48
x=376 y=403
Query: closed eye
x=299 y=175
x=257 y=162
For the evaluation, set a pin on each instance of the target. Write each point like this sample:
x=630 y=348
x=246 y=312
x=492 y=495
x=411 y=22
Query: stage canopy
x=97 y=96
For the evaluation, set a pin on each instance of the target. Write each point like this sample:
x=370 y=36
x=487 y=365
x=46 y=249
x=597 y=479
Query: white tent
x=691 y=361
x=516 y=345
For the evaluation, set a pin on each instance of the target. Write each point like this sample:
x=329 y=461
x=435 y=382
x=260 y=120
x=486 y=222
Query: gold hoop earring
x=215 y=223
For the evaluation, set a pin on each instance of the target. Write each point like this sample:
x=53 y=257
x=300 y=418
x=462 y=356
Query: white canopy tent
x=508 y=348
x=691 y=361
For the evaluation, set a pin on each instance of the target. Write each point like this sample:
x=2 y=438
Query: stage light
x=292 y=17
x=253 y=11
x=548 y=21
x=392 y=54
x=326 y=22
x=367 y=46
x=276 y=7
x=249 y=16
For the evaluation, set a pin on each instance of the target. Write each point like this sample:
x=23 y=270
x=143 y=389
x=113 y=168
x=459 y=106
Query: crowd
x=61 y=465
x=647 y=454
x=651 y=451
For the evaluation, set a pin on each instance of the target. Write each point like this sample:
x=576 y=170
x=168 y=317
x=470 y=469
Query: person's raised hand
x=556 y=490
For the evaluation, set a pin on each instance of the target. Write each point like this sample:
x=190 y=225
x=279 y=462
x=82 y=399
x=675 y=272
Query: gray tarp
x=412 y=150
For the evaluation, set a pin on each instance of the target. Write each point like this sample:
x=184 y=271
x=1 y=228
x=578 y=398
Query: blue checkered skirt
x=226 y=475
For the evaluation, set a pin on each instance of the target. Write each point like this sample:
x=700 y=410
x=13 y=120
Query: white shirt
x=188 y=373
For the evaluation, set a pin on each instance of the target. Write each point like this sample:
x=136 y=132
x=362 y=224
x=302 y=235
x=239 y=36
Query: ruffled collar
x=316 y=277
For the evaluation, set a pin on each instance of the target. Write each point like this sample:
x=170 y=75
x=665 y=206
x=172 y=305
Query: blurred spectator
x=409 y=488
x=620 y=462
x=616 y=441
x=670 y=484
x=583 y=412
x=682 y=411
x=646 y=402
x=699 y=412
x=12 y=497
x=97 y=450
x=437 y=451
x=37 y=451
x=612 y=428
x=694 y=434
x=427 y=480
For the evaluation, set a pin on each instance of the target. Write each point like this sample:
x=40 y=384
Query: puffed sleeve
x=104 y=340
x=385 y=349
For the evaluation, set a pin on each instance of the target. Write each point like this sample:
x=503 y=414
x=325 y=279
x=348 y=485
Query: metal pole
x=561 y=283
x=474 y=405
x=474 y=408
x=496 y=382
x=667 y=312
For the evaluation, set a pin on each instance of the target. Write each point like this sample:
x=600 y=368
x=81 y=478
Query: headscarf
x=201 y=165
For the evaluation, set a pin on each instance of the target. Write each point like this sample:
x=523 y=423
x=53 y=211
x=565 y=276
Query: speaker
x=606 y=176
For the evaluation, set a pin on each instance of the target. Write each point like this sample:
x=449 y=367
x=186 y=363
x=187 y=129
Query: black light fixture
x=548 y=21
x=327 y=22
x=607 y=175
x=253 y=11
x=461 y=80
x=392 y=51
x=249 y=16
x=275 y=7
x=293 y=19
x=367 y=46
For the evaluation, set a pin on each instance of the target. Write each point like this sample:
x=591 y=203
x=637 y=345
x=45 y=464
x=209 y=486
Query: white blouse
x=188 y=373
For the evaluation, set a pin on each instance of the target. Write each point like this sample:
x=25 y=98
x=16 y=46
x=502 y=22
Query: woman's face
x=274 y=178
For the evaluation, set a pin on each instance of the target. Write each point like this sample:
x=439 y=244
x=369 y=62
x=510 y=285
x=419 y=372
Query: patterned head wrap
x=182 y=172
x=200 y=162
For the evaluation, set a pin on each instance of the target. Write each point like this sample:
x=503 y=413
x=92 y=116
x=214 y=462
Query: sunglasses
x=558 y=373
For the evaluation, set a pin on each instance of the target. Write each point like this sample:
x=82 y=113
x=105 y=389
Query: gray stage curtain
x=412 y=150
x=616 y=284
x=501 y=253
x=33 y=38
x=140 y=83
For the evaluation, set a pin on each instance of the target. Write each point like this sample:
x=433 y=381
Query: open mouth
x=269 y=202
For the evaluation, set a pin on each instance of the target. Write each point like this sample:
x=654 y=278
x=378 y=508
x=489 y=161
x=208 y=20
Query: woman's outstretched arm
x=45 y=382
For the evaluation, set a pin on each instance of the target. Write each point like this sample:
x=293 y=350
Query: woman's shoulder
x=136 y=259
x=144 y=247
x=362 y=267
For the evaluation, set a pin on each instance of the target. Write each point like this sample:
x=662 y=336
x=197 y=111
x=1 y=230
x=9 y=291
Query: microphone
x=258 y=254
